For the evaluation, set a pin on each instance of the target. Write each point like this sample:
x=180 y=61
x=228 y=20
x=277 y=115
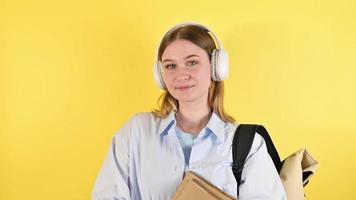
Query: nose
x=182 y=74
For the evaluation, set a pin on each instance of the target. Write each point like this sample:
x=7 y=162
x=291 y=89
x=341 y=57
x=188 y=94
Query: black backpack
x=242 y=142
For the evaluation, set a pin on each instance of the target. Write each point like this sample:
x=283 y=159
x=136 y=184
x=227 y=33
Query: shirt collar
x=167 y=122
x=215 y=125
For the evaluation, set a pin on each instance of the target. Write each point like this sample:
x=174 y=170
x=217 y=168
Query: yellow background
x=73 y=72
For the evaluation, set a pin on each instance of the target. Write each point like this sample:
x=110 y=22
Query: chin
x=183 y=99
x=187 y=99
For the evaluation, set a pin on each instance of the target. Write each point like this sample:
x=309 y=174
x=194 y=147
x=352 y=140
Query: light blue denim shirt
x=145 y=161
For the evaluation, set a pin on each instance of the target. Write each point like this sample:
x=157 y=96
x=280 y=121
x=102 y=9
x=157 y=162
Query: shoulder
x=136 y=124
x=258 y=144
x=139 y=119
x=144 y=118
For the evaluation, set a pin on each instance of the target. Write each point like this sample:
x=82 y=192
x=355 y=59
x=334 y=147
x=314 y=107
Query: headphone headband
x=215 y=38
x=212 y=34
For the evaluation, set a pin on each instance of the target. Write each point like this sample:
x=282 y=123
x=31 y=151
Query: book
x=194 y=187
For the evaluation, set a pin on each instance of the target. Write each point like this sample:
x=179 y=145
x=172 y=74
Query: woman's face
x=186 y=71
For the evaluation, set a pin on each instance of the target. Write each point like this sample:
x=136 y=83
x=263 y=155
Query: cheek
x=205 y=77
x=166 y=78
x=168 y=82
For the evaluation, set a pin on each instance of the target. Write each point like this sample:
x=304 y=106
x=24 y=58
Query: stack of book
x=194 y=187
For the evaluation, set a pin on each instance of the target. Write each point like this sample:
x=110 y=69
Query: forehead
x=181 y=48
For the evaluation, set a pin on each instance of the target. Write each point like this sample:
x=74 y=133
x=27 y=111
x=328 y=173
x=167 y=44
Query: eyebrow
x=184 y=58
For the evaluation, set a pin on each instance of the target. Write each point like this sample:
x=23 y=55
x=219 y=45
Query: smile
x=184 y=87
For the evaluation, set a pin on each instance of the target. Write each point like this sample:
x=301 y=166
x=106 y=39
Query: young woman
x=189 y=132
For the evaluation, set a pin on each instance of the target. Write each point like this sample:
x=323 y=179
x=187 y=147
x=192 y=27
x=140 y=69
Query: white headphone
x=219 y=59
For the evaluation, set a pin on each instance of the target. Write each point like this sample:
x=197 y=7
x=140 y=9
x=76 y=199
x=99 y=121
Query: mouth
x=185 y=87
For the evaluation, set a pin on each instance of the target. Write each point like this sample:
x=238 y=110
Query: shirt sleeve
x=260 y=179
x=112 y=182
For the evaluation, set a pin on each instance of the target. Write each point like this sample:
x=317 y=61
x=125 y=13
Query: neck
x=192 y=118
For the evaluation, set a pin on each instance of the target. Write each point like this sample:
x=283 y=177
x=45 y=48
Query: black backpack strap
x=272 y=151
x=241 y=146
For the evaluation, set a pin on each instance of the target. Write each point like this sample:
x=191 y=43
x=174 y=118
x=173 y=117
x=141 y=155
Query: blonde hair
x=200 y=37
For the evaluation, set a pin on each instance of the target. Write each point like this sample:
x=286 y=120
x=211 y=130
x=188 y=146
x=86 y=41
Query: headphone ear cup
x=213 y=65
x=157 y=74
x=219 y=65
